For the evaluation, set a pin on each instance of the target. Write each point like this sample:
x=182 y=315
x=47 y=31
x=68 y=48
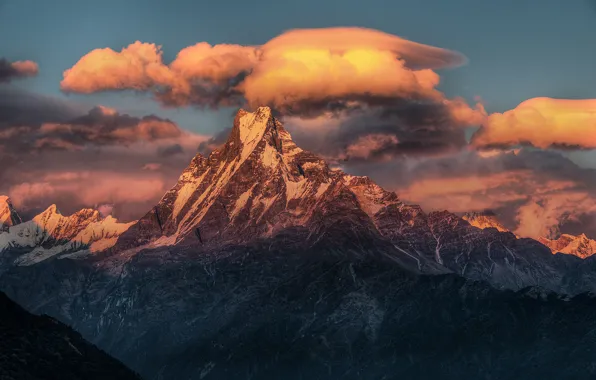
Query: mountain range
x=263 y=262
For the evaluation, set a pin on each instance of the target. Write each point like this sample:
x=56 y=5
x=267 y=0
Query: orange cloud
x=542 y=216
x=344 y=39
x=368 y=144
x=299 y=70
x=537 y=201
x=467 y=193
x=138 y=67
x=26 y=68
x=218 y=63
x=543 y=123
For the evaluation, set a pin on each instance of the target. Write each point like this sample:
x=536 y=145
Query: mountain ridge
x=260 y=183
x=263 y=262
x=577 y=245
x=50 y=233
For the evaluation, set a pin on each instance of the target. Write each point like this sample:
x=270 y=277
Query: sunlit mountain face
x=274 y=200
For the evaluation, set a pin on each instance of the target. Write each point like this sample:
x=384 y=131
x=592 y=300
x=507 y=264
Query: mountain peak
x=250 y=128
x=8 y=215
x=580 y=245
x=484 y=219
x=51 y=233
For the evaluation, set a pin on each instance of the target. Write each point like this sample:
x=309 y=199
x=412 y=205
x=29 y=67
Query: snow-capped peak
x=257 y=183
x=8 y=215
x=580 y=245
x=51 y=233
x=482 y=220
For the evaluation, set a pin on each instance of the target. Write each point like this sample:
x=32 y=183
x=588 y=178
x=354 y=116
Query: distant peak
x=8 y=215
x=484 y=219
x=53 y=209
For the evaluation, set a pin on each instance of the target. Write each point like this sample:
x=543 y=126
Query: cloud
x=543 y=216
x=152 y=166
x=101 y=126
x=214 y=142
x=105 y=209
x=170 y=150
x=342 y=39
x=409 y=129
x=55 y=151
x=374 y=82
x=24 y=108
x=16 y=70
x=543 y=123
x=367 y=145
x=294 y=72
x=534 y=192
x=201 y=74
x=89 y=188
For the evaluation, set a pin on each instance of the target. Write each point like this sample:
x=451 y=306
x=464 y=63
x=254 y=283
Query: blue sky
x=517 y=49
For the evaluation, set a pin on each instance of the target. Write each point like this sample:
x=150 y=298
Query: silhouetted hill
x=40 y=347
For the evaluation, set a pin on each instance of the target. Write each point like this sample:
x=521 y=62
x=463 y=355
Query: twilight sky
x=93 y=124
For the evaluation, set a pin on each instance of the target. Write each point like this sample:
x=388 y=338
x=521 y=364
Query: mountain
x=260 y=183
x=580 y=246
x=483 y=220
x=40 y=347
x=51 y=233
x=257 y=184
x=8 y=215
x=262 y=262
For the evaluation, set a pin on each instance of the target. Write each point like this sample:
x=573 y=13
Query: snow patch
x=269 y=157
x=313 y=165
x=241 y=201
x=322 y=188
x=184 y=193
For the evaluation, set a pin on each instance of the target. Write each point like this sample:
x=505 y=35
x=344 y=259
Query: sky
x=517 y=49
x=463 y=105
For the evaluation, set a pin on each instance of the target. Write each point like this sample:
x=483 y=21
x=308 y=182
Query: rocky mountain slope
x=40 y=347
x=281 y=309
x=264 y=263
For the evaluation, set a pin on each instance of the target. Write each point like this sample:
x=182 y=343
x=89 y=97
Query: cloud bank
x=381 y=82
x=53 y=151
x=542 y=123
